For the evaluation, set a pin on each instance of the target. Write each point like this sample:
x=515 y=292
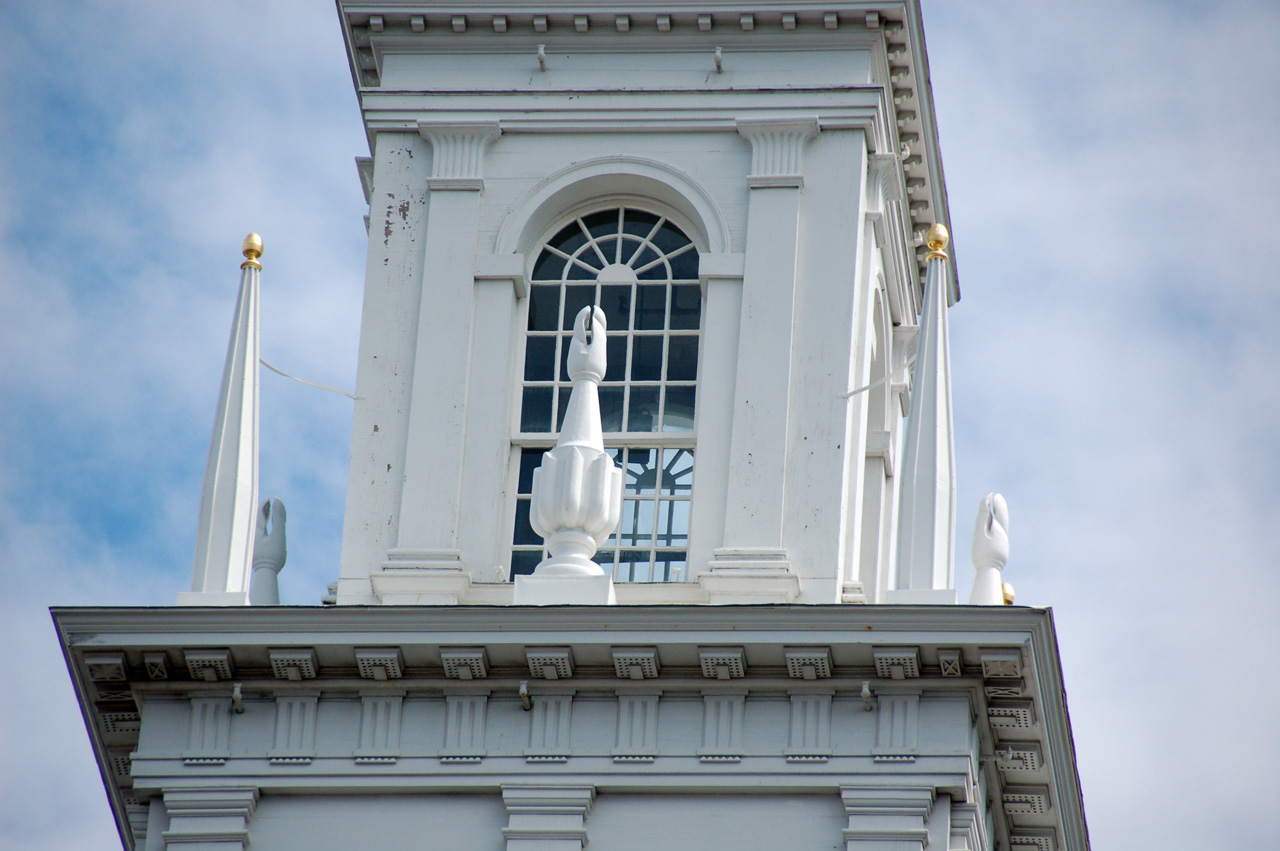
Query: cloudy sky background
x=1113 y=176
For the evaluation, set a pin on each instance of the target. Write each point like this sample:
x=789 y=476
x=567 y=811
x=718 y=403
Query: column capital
x=887 y=815
x=777 y=148
x=457 y=153
x=547 y=817
x=213 y=817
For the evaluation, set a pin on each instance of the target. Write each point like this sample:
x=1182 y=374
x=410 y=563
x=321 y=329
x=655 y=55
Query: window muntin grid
x=652 y=538
x=642 y=271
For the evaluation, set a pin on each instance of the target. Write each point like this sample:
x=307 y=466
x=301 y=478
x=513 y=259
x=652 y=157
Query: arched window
x=642 y=270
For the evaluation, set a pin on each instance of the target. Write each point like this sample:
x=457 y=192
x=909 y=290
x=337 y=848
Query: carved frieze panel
x=809 y=738
x=464 y=728
x=897 y=727
x=379 y=728
x=209 y=736
x=295 y=735
x=637 y=736
x=549 y=728
x=722 y=716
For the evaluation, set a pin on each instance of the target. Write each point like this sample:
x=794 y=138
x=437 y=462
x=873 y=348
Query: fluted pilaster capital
x=777 y=150
x=457 y=153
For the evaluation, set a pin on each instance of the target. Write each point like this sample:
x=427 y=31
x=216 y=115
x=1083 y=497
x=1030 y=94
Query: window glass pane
x=642 y=471
x=646 y=357
x=524 y=533
x=535 y=409
x=549 y=267
x=646 y=256
x=660 y=272
x=669 y=238
x=638 y=222
x=609 y=248
x=679 y=413
x=615 y=301
x=530 y=460
x=566 y=341
x=604 y=558
x=616 y=352
x=540 y=359
x=685 y=266
x=544 y=308
x=651 y=307
x=642 y=412
x=633 y=566
x=576 y=297
x=686 y=306
x=603 y=223
x=636 y=526
x=673 y=522
x=524 y=561
x=578 y=272
x=668 y=567
x=569 y=239
x=682 y=357
x=677 y=471
x=611 y=408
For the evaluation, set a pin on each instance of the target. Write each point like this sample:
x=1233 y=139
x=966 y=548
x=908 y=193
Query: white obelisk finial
x=927 y=507
x=577 y=490
x=229 y=500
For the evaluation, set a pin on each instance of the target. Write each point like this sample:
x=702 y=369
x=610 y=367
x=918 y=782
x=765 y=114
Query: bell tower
x=745 y=196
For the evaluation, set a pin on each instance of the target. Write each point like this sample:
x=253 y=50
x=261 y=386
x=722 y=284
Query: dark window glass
x=611 y=408
x=540 y=359
x=646 y=357
x=544 y=308
x=616 y=358
x=524 y=561
x=646 y=256
x=651 y=307
x=576 y=297
x=569 y=239
x=642 y=413
x=524 y=533
x=660 y=272
x=684 y=267
x=638 y=222
x=561 y=406
x=686 y=307
x=679 y=411
x=642 y=471
x=549 y=267
x=677 y=472
x=615 y=301
x=535 y=409
x=609 y=248
x=601 y=224
x=530 y=460
x=669 y=238
x=578 y=272
x=682 y=357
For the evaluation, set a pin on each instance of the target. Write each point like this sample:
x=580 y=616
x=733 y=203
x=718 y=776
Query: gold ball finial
x=252 y=248
x=1007 y=590
x=937 y=239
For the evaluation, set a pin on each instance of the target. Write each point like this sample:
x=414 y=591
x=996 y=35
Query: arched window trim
x=652 y=541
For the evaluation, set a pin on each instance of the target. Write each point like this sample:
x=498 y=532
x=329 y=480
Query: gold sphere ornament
x=252 y=249
x=937 y=238
x=1007 y=590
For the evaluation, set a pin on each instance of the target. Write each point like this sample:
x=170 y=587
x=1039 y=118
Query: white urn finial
x=990 y=551
x=577 y=490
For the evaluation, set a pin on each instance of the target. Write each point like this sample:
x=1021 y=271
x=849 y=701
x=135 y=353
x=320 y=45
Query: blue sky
x=1112 y=173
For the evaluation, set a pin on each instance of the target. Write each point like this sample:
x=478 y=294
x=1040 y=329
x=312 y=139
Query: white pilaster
x=427 y=536
x=752 y=548
x=547 y=818
x=927 y=512
x=229 y=499
x=209 y=818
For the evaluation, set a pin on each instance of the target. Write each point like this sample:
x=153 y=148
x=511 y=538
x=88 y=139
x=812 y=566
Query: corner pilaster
x=425 y=565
